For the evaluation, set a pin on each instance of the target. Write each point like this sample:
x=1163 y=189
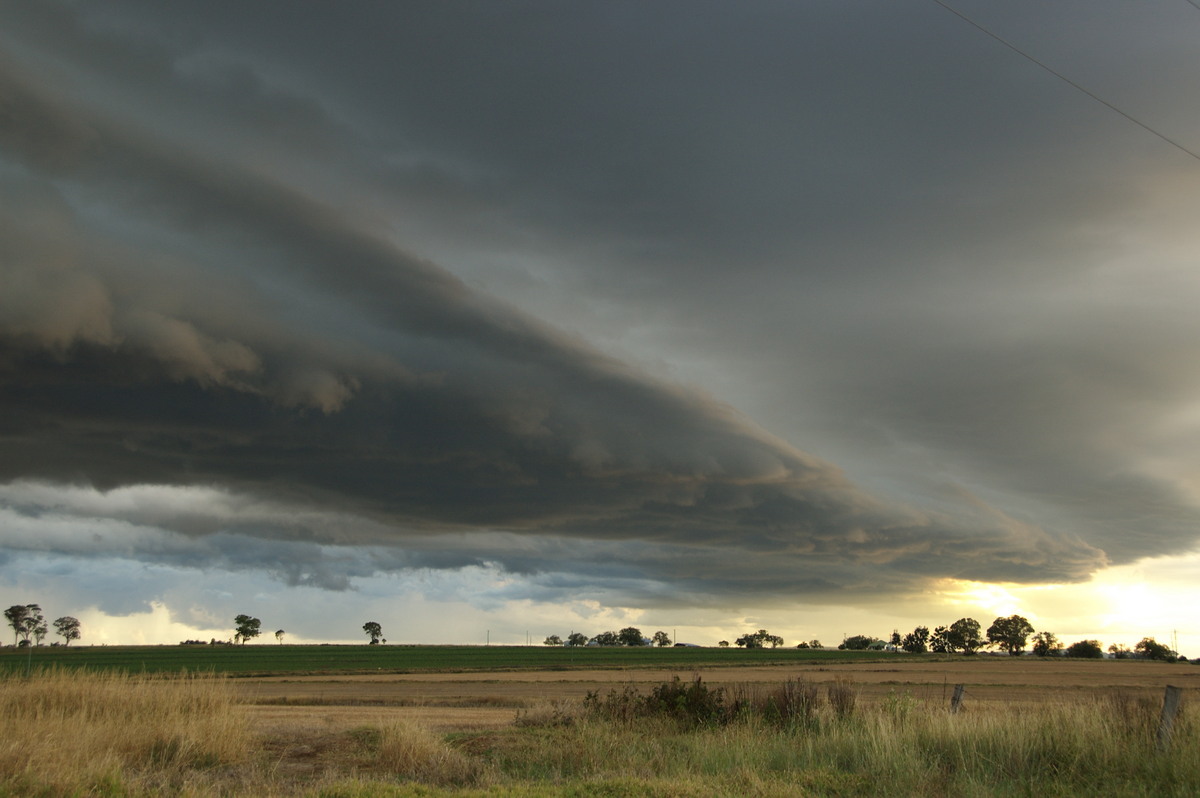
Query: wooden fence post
x=956 y=699
x=1170 y=709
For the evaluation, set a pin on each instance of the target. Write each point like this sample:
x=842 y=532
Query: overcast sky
x=478 y=319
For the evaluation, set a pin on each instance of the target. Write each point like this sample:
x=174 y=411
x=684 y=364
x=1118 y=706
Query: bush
x=692 y=702
x=796 y=702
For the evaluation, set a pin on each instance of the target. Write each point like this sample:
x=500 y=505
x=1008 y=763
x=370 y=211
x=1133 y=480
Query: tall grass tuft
x=77 y=733
x=413 y=753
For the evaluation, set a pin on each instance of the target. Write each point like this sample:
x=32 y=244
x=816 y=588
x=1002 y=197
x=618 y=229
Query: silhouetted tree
x=577 y=639
x=759 y=639
x=67 y=628
x=939 y=641
x=279 y=633
x=1085 y=649
x=661 y=639
x=631 y=636
x=916 y=641
x=964 y=635
x=607 y=639
x=552 y=640
x=25 y=620
x=1010 y=633
x=374 y=631
x=1045 y=644
x=246 y=628
x=1149 y=648
x=857 y=643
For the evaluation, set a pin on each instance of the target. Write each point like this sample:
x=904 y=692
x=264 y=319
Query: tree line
x=965 y=636
x=629 y=636
x=1010 y=634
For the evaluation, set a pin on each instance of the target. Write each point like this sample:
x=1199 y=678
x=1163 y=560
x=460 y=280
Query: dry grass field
x=1029 y=726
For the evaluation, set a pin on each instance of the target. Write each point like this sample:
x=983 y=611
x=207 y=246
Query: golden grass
x=89 y=734
x=412 y=752
x=65 y=733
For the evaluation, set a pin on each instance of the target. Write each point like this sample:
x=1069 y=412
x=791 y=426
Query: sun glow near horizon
x=1152 y=597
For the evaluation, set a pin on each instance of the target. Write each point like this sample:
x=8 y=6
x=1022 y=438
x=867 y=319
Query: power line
x=1067 y=80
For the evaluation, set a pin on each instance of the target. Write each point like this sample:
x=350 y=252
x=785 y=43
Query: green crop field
x=264 y=659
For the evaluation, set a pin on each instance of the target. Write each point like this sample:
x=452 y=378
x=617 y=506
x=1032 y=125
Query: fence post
x=1170 y=708
x=956 y=699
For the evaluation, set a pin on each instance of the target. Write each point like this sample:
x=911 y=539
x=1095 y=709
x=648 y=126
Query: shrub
x=691 y=702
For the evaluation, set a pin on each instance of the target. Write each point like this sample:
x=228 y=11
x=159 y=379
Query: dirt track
x=454 y=701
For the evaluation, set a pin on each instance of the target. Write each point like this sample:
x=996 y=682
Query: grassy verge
x=110 y=734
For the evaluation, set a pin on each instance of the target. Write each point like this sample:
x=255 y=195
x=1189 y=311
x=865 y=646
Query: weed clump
x=691 y=703
x=795 y=703
x=842 y=697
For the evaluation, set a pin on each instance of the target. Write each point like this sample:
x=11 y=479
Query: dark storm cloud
x=200 y=287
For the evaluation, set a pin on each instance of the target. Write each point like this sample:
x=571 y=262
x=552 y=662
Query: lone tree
x=552 y=640
x=67 y=628
x=607 y=639
x=246 y=628
x=1010 y=633
x=279 y=633
x=26 y=621
x=661 y=639
x=577 y=639
x=374 y=631
x=1045 y=644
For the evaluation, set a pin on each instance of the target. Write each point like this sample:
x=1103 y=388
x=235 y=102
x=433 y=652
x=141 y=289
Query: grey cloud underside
x=178 y=308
